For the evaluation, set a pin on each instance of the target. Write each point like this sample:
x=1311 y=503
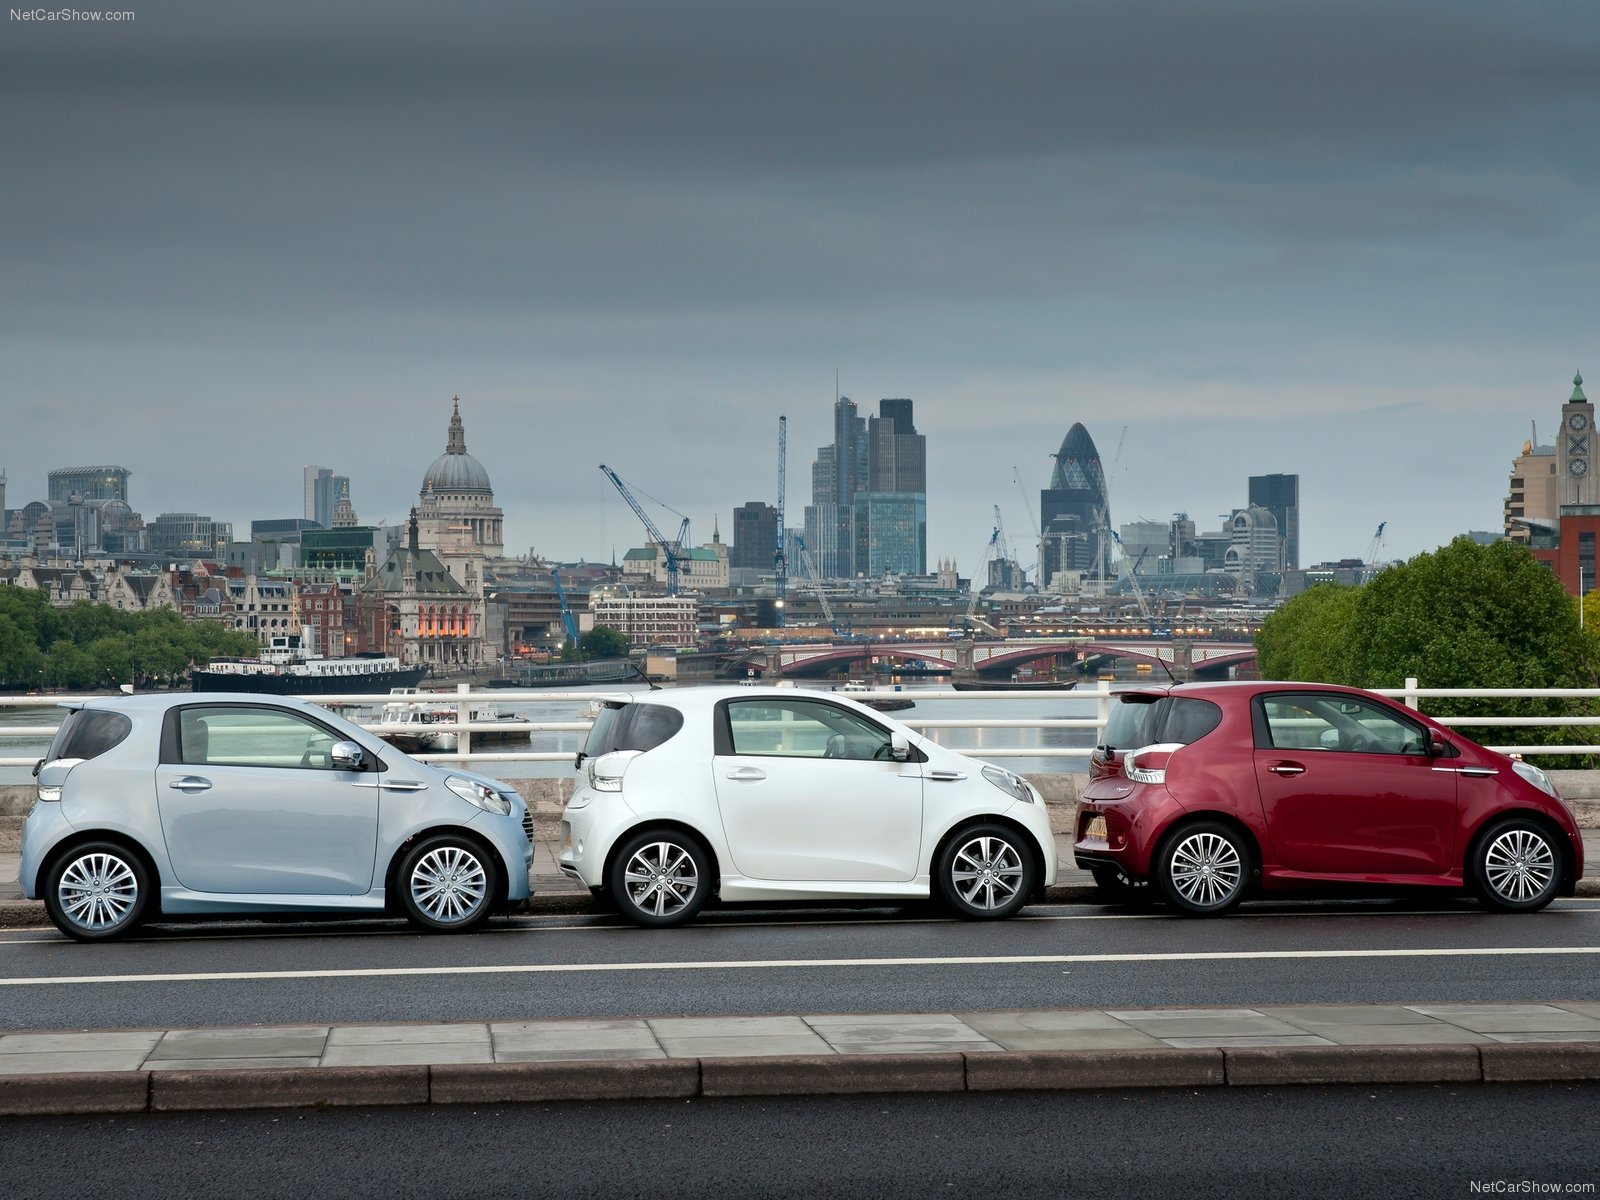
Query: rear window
x=88 y=733
x=1132 y=723
x=1146 y=720
x=631 y=727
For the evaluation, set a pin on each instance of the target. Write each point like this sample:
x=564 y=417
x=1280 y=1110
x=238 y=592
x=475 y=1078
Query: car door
x=251 y=803
x=1348 y=788
x=808 y=790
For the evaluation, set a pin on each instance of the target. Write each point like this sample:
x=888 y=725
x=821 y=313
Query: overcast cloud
x=1350 y=241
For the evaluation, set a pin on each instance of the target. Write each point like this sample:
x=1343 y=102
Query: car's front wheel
x=1203 y=869
x=447 y=884
x=660 y=878
x=1516 y=867
x=985 y=872
x=97 y=892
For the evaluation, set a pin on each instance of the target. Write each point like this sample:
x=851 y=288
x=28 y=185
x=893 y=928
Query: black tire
x=985 y=873
x=447 y=884
x=660 y=878
x=1516 y=866
x=1204 y=869
x=97 y=892
x=1117 y=888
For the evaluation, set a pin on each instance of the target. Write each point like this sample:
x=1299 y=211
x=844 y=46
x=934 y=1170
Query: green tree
x=1306 y=638
x=603 y=642
x=1466 y=616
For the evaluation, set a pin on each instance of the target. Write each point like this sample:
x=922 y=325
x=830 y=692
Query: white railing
x=464 y=727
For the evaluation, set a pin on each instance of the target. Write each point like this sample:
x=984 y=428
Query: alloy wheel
x=449 y=884
x=1519 y=865
x=1206 y=869
x=987 y=872
x=661 y=878
x=98 y=891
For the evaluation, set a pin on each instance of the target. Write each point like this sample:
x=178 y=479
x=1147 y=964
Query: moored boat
x=284 y=669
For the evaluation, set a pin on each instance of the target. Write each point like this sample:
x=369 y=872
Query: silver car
x=154 y=806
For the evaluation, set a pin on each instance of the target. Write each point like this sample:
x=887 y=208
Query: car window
x=1351 y=724
x=645 y=726
x=252 y=737
x=804 y=729
x=1137 y=720
x=87 y=733
x=1132 y=722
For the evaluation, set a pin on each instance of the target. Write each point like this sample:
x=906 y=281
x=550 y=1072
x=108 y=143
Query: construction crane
x=780 y=561
x=1133 y=578
x=570 y=625
x=1033 y=520
x=816 y=583
x=672 y=550
x=1375 y=545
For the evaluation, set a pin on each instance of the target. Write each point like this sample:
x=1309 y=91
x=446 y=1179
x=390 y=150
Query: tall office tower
x=837 y=474
x=323 y=489
x=88 y=483
x=1074 y=521
x=755 y=536
x=1280 y=495
x=1531 y=503
x=891 y=515
x=4 y=515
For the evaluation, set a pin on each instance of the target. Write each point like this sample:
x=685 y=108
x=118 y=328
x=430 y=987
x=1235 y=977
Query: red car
x=1212 y=792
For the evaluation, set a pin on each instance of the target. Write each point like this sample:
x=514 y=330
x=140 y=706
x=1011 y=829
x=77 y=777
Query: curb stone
x=83 y=1093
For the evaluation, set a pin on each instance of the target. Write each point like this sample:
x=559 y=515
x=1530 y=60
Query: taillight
x=1148 y=764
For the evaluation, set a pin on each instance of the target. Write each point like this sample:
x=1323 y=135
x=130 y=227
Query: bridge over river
x=977 y=659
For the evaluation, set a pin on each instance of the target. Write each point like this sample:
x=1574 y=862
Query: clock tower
x=1577 y=460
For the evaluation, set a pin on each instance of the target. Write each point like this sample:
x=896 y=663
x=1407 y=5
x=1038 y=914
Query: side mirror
x=899 y=746
x=37 y=767
x=347 y=756
x=1436 y=745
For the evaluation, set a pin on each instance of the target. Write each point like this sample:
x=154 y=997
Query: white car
x=771 y=794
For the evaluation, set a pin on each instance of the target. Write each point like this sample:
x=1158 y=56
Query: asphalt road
x=801 y=961
x=1393 y=1142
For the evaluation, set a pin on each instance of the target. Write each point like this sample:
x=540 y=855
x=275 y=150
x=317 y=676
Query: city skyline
x=1342 y=243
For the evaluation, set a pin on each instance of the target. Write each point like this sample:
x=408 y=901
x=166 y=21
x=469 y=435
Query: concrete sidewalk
x=648 y=1058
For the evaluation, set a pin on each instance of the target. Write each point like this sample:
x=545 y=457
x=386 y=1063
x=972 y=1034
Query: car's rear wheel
x=447 y=884
x=984 y=873
x=1516 y=867
x=97 y=892
x=1203 y=869
x=660 y=878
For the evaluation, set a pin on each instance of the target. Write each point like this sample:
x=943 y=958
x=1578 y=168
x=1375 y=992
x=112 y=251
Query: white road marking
x=729 y=920
x=802 y=963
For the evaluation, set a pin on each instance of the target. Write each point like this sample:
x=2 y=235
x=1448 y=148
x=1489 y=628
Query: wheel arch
x=1210 y=816
x=84 y=837
x=1550 y=827
x=668 y=824
x=466 y=833
x=1024 y=834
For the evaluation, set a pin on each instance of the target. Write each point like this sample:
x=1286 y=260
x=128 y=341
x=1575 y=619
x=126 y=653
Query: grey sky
x=1353 y=241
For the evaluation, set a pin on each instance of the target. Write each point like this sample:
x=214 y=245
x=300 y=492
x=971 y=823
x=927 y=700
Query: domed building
x=456 y=512
x=1074 y=520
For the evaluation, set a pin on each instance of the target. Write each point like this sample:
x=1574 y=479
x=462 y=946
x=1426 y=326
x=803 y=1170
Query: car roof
x=1218 y=689
x=146 y=702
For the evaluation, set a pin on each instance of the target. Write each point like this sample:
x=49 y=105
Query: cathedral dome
x=455 y=471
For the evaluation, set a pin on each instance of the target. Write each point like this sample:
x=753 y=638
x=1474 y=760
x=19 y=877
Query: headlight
x=1014 y=785
x=1535 y=776
x=478 y=795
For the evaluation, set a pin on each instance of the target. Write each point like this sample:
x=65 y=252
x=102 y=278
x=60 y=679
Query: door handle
x=1287 y=769
x=190 y=783
x=947 y=776
x=747 y=774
